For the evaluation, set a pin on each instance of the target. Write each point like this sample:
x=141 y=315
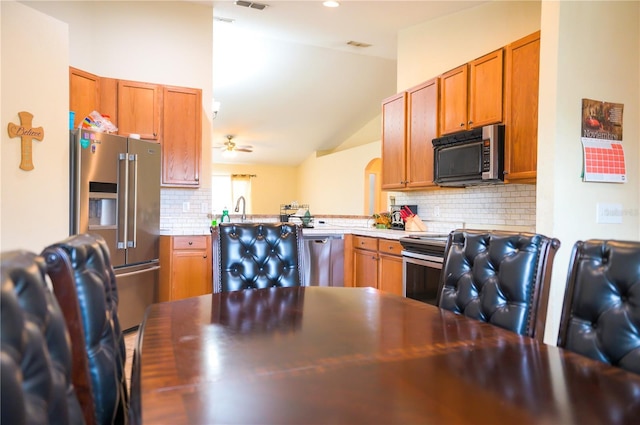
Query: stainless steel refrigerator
x=115 y=192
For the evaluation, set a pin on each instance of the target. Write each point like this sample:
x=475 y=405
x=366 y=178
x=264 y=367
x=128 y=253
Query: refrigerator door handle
x=133 y=193
x=123 y=201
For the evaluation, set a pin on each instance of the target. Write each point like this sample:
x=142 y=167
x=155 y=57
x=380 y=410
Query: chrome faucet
x=244 y=204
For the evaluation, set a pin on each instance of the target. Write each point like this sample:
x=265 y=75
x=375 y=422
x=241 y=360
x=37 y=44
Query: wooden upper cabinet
x=422 y=105
x=453 y=101
x=522 y=72
x=109 y=99
x=485 y=90
x=394 y=116
x=84 y=94
x=139 y=109
x=472 y=94
x=182 y=138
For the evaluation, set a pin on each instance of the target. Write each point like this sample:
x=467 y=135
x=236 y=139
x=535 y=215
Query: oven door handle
x=437 y=261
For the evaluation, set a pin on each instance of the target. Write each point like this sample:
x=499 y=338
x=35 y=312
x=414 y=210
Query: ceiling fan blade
x=243 y=150
x=244 y=147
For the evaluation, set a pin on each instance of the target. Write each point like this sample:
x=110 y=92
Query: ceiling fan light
x=229 y=153
x=331 y=4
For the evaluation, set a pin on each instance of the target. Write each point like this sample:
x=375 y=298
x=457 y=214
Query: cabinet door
x=181 y=136
x=190 y=275
x=485 y=90
x=422 y=105
x=453 y=101
x=139 y=107
x=393 y=142
x=84 y=94
x=390 y=266
x=391 y=274
x=186 y=267
x=109 y=99
x=365 y=268
x=521 y=109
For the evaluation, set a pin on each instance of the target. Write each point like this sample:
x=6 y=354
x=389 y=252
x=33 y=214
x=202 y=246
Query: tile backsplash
x=496 y=206
x=185 y=211
x=511 y=206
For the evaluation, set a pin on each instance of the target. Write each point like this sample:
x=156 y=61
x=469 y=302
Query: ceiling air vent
x=222 y=19
x=252 y=5
x=358 y=44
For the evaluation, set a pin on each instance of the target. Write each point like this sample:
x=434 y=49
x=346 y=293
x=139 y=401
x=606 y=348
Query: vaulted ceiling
x=288 y=81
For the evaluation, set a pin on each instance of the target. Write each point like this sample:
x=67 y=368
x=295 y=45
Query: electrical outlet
x=436 y=211
x=185 y=207
x=608 y=213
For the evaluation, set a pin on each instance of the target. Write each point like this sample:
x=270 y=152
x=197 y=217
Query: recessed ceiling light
x=331 y=4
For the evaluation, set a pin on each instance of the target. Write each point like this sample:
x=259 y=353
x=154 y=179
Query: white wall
x=334 y=184
x=34 y=205
x=427 y=50
x=163 y=42
x=588 y=50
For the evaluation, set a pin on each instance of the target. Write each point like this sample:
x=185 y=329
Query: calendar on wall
x=603 y=152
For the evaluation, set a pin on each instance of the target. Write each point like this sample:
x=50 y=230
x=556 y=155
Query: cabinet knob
x=190 y=243
x=470 y=122
x=205 y=256
x=461 y=124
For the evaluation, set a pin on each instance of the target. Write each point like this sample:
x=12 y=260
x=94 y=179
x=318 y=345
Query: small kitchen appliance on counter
x=397 y=223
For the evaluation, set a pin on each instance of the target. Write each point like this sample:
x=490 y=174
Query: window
x=226 y=189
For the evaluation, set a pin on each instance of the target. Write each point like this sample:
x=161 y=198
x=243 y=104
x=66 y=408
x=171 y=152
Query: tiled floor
x=129 y=341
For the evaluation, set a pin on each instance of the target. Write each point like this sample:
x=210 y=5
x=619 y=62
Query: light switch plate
x=609 y=213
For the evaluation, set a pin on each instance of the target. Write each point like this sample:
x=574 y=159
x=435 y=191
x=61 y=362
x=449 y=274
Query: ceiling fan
x=229 y=148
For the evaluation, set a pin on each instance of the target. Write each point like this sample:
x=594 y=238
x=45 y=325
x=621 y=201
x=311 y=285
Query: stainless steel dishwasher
x=324 y=260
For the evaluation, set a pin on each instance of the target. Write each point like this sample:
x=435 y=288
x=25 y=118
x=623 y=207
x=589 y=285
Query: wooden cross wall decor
x=26 y=134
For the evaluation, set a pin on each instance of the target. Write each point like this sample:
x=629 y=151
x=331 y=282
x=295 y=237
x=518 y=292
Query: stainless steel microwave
x=470 y=158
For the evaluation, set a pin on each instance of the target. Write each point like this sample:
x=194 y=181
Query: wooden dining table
x=322 y=355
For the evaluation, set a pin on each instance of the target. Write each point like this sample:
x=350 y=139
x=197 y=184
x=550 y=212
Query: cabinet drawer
x=190 y=242
x=388 y=246
x=363 y=242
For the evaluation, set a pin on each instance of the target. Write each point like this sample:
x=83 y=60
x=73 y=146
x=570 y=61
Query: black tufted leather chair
x=601 y=311
x=262 y=311
x=85 y=285
x=35 y=355
x=499 y=277
x=256 y=255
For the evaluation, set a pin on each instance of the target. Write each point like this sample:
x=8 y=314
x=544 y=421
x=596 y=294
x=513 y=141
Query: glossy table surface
x=357 y=355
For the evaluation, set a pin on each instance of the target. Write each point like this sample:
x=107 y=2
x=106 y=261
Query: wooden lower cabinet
x=374 y=262
x=185 y=267
x=365 y=266
x=390 y=266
